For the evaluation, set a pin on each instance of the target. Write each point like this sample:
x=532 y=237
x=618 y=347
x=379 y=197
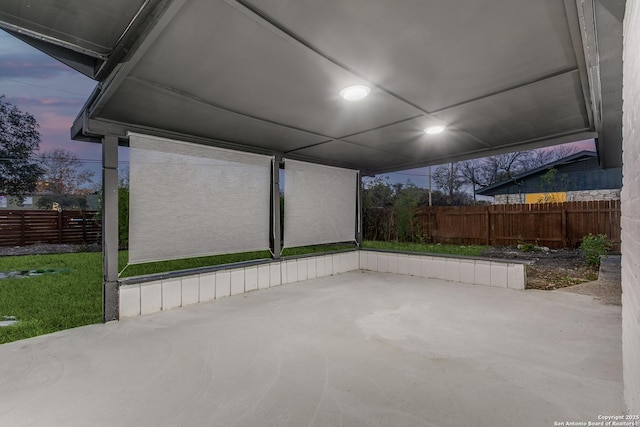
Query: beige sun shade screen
x=319 y=204
x=189 y=200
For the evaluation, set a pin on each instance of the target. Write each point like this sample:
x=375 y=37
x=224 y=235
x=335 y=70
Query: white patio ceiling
x=265 y=75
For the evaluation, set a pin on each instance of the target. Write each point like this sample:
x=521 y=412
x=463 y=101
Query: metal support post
x=275 y=207
x=110 y=298
x=359 y=211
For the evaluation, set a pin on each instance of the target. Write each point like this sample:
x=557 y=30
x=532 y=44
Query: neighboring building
x=31 y=201
x=27 y=202
x=578 y=177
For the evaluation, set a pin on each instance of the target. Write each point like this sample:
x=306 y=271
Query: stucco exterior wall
x=505 y=199
x=587 y=196
x=572 y=196
x=631 y=208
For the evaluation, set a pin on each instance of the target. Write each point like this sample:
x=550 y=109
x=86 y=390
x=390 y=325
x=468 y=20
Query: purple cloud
x=46 y=101
x=30 y=65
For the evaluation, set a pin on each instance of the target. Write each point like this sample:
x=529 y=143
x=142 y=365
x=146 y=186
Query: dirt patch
x=45 y=248
x=549 y=269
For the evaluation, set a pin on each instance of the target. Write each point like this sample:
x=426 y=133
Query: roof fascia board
x=111 y=83
x=16 y=29
x=608 y=16
x=586 y=17
x=83 y=63
x=578 y=43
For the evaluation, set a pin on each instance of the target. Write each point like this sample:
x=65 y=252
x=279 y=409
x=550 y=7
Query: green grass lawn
x=434 y=248
x=51 y=302
x=185 y=264
x=72 y=297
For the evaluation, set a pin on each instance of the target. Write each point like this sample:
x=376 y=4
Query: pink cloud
x=46 y=101
x=52 y=121
x=588 y=144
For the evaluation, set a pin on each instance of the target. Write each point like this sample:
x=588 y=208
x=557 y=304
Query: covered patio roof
x=265 y=75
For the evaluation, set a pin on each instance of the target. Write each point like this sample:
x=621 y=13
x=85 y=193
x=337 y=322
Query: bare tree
x=64 y=179
x=543 y=156
x=489 y=170
x=449 y=179
x=471 y=173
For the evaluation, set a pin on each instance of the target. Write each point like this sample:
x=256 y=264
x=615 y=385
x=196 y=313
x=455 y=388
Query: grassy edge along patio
x=68 y=294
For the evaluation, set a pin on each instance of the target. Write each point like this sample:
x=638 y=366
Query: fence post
x=84 y=227
x=23 y=229
x=59 y=226
x=488 y=215
x=564 y=225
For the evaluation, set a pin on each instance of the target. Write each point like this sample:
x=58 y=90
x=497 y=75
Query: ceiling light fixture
x=355 y=93
x=435 y=129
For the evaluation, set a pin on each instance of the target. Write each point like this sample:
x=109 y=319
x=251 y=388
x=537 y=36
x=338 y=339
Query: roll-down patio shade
x=319 y=204
x=189 y=200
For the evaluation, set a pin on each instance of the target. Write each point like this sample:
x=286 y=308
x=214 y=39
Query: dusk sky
x=54 y=94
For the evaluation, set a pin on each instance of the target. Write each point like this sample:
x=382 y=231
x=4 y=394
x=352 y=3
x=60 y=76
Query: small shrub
x=593 y=247
x=528 y=247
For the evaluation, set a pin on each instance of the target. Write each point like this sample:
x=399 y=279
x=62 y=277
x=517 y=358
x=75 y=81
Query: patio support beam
x=359 y=211
x=109 y=228
x=275 y=206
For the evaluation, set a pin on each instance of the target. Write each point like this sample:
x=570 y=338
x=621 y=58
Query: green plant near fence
x=593 y=247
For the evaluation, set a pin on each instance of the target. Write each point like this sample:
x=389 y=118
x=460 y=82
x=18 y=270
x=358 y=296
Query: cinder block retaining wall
x=157 y=293
x=456 y=269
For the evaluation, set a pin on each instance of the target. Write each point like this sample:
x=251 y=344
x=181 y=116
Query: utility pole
x=429 y=185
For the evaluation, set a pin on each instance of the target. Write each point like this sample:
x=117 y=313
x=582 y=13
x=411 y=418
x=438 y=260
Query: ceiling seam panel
x=184 y=94
x=274 y=25
x=570 y=70
x=382 y=127
x=128 y=38
x=533 y=144
x=132 y=21
x=359 y=133
x=346 y=142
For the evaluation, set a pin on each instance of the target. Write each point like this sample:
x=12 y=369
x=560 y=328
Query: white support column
x=109 y=228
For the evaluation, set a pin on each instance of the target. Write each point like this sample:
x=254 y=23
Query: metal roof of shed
x=264 y=75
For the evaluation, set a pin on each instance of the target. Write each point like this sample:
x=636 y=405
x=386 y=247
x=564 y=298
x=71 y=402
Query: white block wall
x=463 y=270
x=631 y=208
x=150 y=297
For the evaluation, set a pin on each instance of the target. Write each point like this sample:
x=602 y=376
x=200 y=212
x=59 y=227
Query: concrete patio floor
x=354 y=349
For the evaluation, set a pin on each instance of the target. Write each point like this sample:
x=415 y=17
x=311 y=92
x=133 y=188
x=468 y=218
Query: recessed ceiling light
x=355 y=93
x=435 y=129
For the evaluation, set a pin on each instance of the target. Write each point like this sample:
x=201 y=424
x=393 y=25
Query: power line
x=45 y=87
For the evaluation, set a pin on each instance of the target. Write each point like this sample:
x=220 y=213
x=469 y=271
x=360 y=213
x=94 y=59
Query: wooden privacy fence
x=26 y=227
x=555 y=225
